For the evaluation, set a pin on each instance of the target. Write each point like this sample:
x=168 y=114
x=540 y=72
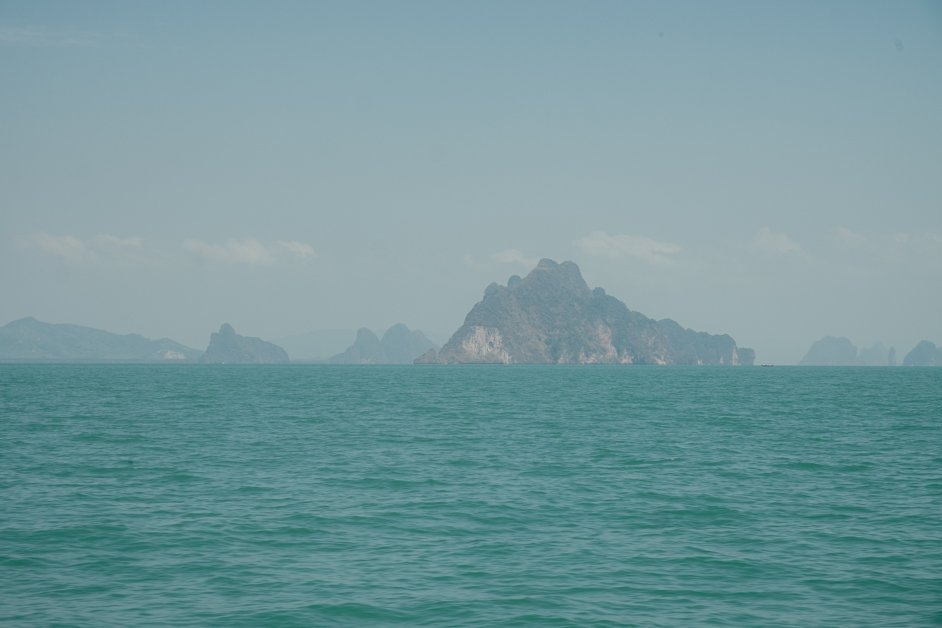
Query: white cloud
x=299 y=249
x=107 y=247
x=846 y=236
x=106 y=240
x=74 y=249
x=232 y=251
x=775 y=242
x=248 y=251
x=67 y=247
x=901 y=239
x=513 y=256
x=620 y=245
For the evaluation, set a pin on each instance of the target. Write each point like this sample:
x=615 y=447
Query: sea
x=315 y=495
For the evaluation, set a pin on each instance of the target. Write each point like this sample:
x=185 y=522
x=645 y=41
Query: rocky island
x=924 y=354
x=833 y=351
x=228 y=347
x=552 y=317
x=400 y=345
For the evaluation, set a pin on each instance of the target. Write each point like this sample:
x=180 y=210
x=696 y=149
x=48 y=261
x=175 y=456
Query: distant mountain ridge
x=30 y=339
x=399 y=345
x=552 y=317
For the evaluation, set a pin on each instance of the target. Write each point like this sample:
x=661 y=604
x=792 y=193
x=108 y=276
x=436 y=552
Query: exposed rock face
x=552 y=317
x=924 y=354
x=831 y=351
x=30 y=339
x=399 y=345
x=228 y=347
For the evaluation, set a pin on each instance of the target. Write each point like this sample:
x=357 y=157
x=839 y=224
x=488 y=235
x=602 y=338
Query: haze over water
x=306 y=495
x=766 y=170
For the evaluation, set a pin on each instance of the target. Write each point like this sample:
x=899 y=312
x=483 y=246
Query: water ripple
x=229 y=496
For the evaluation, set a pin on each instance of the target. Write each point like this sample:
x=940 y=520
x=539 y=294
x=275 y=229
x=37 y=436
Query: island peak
x=551 y=316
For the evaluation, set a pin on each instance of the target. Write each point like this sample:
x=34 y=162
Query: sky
x=770 y=170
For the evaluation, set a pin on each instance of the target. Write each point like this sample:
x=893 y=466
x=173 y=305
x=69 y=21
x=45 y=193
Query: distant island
x=28 y=339
x=399 y=345
x=228 y=347
x=315 y=345
x=924 y=354
x=833 y=351
x=552 y=317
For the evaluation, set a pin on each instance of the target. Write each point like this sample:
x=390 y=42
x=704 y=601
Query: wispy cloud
x=620 y=245
x=775 y=242
x=107 y=240
x=105 y=247
x=74 y=249
x=249 y=251
x=514 y=256
x=66 y=247
x=901 y=239
x=299 y=249
x=232 y=251
x=849 y=237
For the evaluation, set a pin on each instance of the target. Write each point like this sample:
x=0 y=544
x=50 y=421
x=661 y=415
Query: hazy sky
x=771 y=170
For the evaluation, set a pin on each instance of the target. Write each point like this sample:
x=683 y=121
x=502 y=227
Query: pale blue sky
x=772 y=170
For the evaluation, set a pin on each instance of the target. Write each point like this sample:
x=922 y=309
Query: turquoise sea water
x=313 y=495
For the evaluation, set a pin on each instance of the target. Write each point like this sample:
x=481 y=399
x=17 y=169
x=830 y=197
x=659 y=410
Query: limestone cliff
x=552 y=317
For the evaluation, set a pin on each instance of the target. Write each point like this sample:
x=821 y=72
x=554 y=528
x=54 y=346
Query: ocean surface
x=306 y=495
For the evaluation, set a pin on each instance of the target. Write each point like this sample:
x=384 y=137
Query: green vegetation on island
x=552 y=317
